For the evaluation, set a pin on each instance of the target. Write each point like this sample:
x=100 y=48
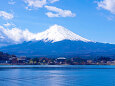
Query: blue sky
x=91 y=19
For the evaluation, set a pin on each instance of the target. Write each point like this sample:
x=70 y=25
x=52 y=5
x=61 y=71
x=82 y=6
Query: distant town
x=6 y=59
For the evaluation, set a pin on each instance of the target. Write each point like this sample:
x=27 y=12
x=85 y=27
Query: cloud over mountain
x=15 y=34
x=54 y=33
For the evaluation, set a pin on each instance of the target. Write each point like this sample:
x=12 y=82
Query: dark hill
x=61 y=48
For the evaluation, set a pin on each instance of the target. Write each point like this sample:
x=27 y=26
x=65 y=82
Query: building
x=89 y=61
x=13 y=60
x=61 y=60
x=22 y=60
x=44 y=60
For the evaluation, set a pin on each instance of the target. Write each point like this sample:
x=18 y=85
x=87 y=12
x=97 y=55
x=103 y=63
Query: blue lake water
x=47 y=75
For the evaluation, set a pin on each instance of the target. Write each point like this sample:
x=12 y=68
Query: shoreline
x=58 y=64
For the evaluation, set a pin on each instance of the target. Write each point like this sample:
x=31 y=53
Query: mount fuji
x=54 y=34
x=56 y=41
x=58 y=33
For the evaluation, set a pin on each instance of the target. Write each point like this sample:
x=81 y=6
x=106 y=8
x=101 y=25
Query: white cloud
x=17 y=35
x=11 y=2
x=58 y=12
x=52 y=1
x=35 y=3
x=27 y=8
x=53 y=34
x=6 y=15
x=107 y=5
x=50 y=14
x=9 y=24
x=38 y=3
x=110 y=17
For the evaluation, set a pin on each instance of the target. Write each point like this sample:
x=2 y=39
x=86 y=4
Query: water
x=79 y=75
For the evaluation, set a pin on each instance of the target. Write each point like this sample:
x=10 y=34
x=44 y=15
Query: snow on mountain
x=58 y=33
x=53 y=34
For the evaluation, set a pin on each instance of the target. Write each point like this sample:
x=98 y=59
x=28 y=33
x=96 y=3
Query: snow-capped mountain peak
x=54 y=34
x=58 y=33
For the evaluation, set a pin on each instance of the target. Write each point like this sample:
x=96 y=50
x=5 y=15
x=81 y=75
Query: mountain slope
x=56 y=41
x=61 y=48
x=59 y=33
x=53 y=34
